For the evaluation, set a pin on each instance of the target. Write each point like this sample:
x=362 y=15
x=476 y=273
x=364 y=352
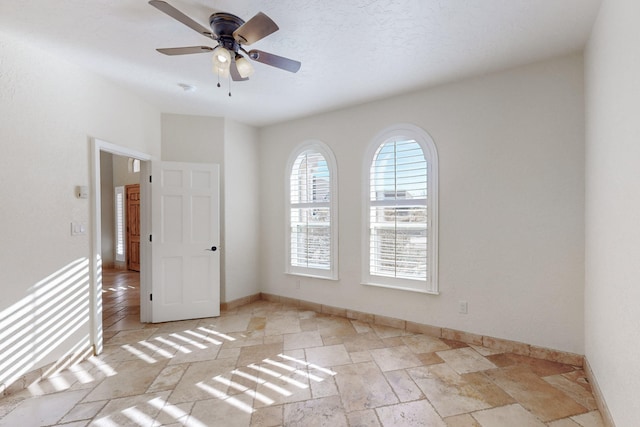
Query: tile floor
x=267 y=364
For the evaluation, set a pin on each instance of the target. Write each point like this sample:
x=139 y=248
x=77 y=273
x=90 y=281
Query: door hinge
x=151 y=237
x=150 y=297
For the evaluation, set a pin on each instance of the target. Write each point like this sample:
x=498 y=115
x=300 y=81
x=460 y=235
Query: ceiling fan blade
x=254 y=29
x=185 y=50
x=274 y=60
x=235 y=74
x=165 y=7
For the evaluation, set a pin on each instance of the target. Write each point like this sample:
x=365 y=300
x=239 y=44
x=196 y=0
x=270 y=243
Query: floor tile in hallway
x=268 y=364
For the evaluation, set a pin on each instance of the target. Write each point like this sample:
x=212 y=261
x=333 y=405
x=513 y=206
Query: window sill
x=400 y=288
x=312 y=276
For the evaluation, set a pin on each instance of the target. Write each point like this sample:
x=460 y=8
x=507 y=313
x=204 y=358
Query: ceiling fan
x=231 y=33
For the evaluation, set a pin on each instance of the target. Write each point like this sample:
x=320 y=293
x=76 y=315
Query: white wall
x=511 y=150
x=242 y=211
x=48 y=114
x=612 y=316
x=107 y=214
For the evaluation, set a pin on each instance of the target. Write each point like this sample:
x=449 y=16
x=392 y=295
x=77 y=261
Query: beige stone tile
x=195 y=355
x=539 y=367
x=429 y=358
x=464 y=420
x=173 y=414
x=465 y=360
x=332 y=355
x=590 y=419
x=335 y=327
x=424 y=343
x=393 y=341
x=574 y=390
x=360 y=356
x=233 y=411
x=308 y=324
x=325 y=388
x=362 y=317
x=387 y=331
x=454 y=344
x=362 y=386
x=505 y=346
x=565 y=422
x=465 y=337
x=168 y=378
x=83 y=411
x=556 y=356
x=274 y=339
x=302 y=340
x=83 y=423
x=282 y=325
x=311 y=306
x=229 y=353
x=179 y=326
x=133 y=378
x=325 y=411
x=269 y=416
x=507 y=416
x=366 y=418
x=536 y=395
x=484 y=350
x=131 y=410
x=362 y=341
x=389 y=321
x=257 y=353
x=197 y=382
x=334 y=311
x=410 y=414
x=257 y=324
x=447 y=391
x=419 y=328
x=361 y=327
x=487 y=390
x=230 y=323
x=393 y=358
x=42 y=410
x=403 y=386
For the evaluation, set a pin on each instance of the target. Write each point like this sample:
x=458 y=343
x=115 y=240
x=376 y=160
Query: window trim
x=403 y=131
x=322 y=148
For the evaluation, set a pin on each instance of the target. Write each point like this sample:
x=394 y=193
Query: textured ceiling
x=352 y=51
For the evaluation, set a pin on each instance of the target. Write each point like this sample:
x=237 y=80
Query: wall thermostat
x=82 y=192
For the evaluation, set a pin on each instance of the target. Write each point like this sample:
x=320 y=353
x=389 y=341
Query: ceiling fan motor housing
x=223 y=25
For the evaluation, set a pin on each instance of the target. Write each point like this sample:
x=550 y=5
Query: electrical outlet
x=462 y=307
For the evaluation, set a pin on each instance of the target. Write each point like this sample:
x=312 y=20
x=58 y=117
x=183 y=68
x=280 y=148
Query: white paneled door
x=186 y=234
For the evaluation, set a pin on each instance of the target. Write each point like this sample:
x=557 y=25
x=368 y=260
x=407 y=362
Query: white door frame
x=95 y=265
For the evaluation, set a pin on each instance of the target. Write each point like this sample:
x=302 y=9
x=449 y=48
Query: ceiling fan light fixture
x=221 y=58
x=245 y=69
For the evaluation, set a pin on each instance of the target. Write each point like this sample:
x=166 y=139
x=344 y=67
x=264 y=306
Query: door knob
x=214 y=248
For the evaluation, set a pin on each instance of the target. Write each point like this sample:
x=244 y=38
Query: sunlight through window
x=189 y=341
x=174 y=345
x=139 y=354
x=221 y=335
x=229 y=399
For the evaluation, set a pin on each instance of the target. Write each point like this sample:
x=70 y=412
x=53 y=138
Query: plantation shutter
x=310 y=212
x=398 y=233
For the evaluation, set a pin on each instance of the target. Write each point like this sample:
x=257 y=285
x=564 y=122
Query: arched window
x=401 y=211
x=312 y=212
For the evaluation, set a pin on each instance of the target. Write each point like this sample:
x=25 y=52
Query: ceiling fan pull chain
x=229 y=86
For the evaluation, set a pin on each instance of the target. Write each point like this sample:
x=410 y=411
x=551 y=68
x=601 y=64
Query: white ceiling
x=352 y=51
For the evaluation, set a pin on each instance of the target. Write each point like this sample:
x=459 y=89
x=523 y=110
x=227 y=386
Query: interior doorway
x=132 y=192
x=103 y=222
